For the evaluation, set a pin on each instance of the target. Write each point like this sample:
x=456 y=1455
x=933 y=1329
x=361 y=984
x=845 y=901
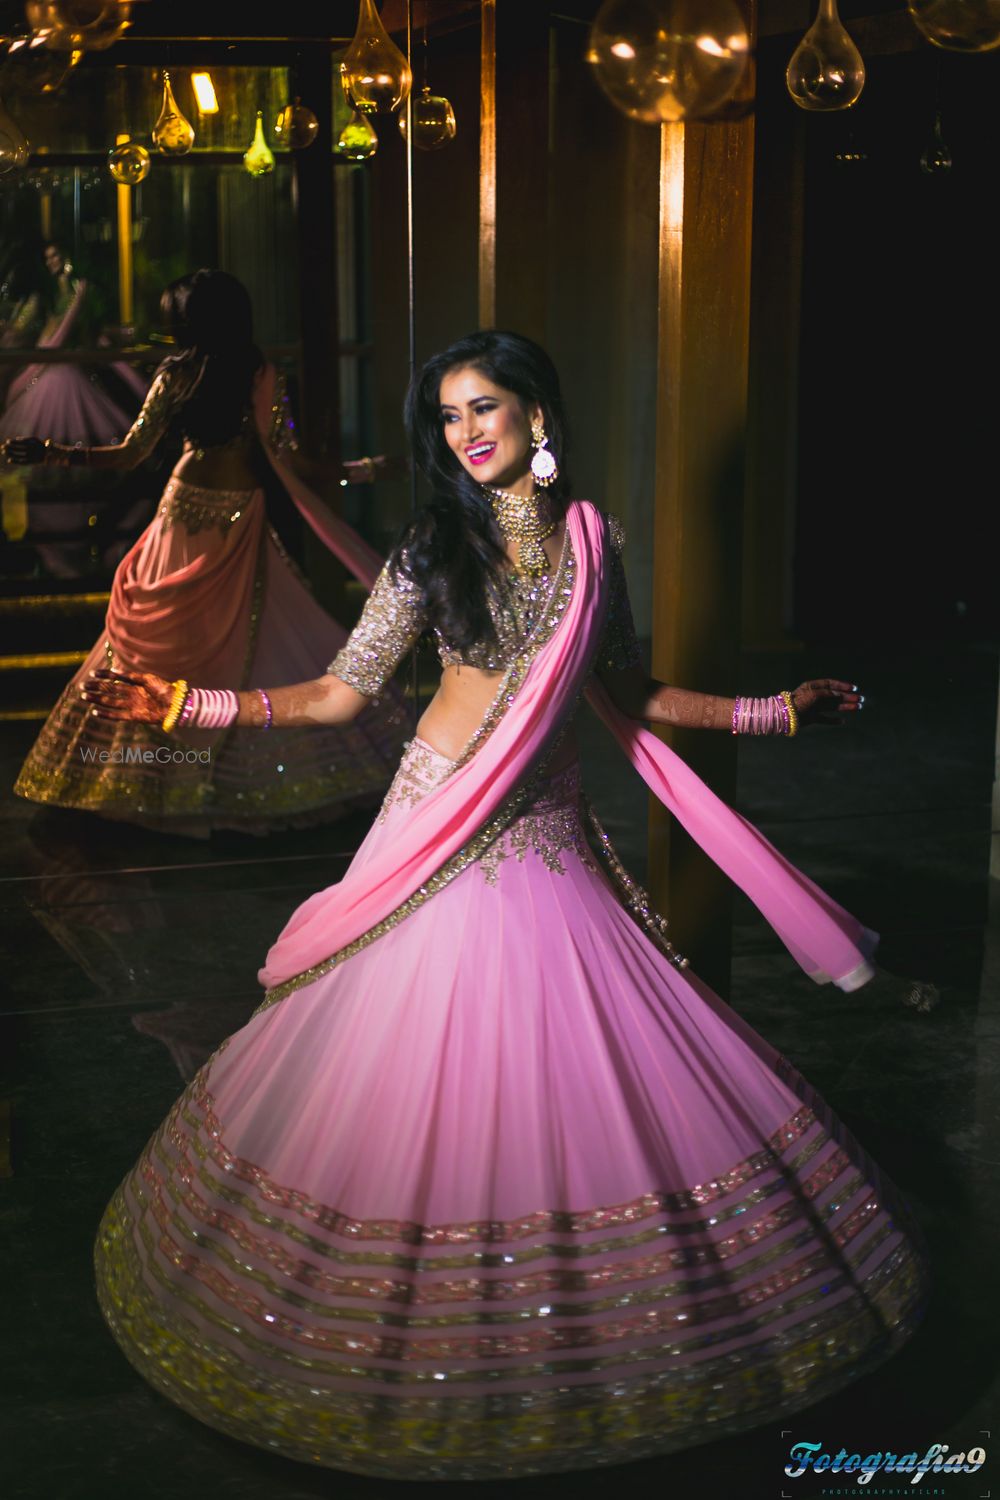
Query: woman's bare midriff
x=466 y=693
x=459 y=707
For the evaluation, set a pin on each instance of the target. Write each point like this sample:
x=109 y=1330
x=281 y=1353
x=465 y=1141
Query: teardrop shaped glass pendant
x=826 y=70
x=172 y=134
x=376 y=75
x=259 y=158
x=14 y=145
x=357 y=141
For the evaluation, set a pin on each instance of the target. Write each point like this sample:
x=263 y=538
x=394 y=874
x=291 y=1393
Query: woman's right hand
x=139 y=696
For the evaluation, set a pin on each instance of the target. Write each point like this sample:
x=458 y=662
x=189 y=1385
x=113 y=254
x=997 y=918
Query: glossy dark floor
x=128 y=956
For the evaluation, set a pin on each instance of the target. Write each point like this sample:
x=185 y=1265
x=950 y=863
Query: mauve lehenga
x=70 y=405
x=208 y=593
x=490 y=1184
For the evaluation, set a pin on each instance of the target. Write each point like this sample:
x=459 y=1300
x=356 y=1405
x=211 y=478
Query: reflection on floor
x=129 y=956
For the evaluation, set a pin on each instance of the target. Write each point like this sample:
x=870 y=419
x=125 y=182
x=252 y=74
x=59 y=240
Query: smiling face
x=488 y=429
x=54 y=260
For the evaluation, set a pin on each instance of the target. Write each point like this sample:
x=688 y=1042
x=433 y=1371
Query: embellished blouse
x=521 y=608
x=165 y=398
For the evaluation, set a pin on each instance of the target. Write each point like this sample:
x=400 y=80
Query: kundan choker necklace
x=527 y=520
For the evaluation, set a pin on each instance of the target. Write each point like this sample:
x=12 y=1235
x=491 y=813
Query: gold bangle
x=793 y=718
x=180 y=690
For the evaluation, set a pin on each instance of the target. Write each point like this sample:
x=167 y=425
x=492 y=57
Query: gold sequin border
x=439 y=1435
x=492 y=1231
x=657 y=1304
x=312 y=1350
x=752 y=1233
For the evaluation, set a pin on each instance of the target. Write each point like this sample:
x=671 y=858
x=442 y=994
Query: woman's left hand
x=22 y=451
x=139 y=696
x=825 y=700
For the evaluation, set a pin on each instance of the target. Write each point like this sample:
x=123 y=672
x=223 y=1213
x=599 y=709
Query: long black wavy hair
x=210 y=315
x=452 y=549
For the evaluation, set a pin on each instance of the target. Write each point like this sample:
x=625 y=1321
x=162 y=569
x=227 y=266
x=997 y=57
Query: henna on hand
x=688 y=710
x=303 y=703
x=139 y=696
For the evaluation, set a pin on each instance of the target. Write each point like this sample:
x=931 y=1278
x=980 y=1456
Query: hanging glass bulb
x=85 y=25
x=129 y=163
x=433 y=121
x=937 y=157
x=958 y=25
x=259 y=158
x=357 y=141
x=296 y=126
x=668 y=59
x=376 y=75
x=40 y=71
x=826 y=70
x=14 y=145
x=172 y=134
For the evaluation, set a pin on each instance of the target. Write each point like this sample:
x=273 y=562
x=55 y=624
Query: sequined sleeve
x=154 y=418
x=619 y=648
x=391 y=624
x=282 y=437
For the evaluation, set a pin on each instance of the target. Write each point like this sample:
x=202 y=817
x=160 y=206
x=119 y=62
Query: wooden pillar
x=706 y=193
x=314 y=206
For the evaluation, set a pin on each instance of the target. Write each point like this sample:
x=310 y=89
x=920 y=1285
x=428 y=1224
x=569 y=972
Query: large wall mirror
x=84 y=259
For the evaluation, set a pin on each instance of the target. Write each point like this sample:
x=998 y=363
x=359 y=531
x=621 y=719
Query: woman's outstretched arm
x=162 y=399
x=643 y=697
x=145 y=698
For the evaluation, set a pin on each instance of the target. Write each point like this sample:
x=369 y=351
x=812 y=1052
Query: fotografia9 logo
x=812 y=1457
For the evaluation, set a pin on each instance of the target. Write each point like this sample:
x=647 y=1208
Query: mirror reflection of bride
x=209 y=593
x=64 y=401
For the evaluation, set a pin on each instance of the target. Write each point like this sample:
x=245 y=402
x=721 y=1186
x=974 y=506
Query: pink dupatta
x=343 y=541
x=823 y=938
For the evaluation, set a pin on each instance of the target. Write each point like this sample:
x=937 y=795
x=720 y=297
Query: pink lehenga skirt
x=70 y=405
x=209 y=594
x=504 y=1191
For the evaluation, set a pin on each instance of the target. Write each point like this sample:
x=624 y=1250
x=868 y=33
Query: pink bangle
x=212 y=708
x=267 y=707
x=763 y=716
